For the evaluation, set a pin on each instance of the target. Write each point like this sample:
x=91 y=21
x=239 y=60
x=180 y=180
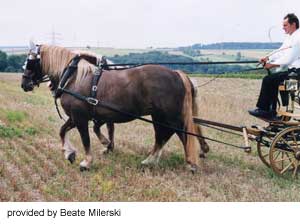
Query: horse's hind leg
x=111 y=131
x=83 y=129
x=97 y=125
x=68 y=148
x=162 y=135
x=104 y=141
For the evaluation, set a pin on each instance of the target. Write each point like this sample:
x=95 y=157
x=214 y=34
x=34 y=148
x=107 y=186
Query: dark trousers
x=269 y=90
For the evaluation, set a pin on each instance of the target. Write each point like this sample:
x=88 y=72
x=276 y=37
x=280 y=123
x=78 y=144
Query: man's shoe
x=262 y=113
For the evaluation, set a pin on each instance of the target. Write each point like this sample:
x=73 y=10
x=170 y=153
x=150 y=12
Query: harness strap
x=67 y=73
x=57 y=109
x=95 y=80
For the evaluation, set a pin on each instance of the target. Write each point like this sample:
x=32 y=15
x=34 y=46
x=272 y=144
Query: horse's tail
x=194 y=97
x=188 y=110
x=204 y=145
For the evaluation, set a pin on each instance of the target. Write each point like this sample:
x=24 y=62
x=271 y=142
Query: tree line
x=234 y=46
x=11 y=63
x=158 y=56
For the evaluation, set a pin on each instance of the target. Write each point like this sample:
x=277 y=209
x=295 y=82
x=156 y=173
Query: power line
x=54 y=37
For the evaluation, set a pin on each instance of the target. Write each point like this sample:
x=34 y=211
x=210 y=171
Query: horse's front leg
x=83 y=129
x=68 y=149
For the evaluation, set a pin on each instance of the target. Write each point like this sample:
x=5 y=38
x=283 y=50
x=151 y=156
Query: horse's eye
x=30 y=64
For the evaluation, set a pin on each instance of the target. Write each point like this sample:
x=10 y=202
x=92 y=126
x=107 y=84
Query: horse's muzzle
x=28 y=87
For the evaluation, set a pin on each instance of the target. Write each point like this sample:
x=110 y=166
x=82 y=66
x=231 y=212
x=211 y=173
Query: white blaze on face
x=32 y=46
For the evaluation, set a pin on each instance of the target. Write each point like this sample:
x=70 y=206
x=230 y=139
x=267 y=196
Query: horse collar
x=67 y=73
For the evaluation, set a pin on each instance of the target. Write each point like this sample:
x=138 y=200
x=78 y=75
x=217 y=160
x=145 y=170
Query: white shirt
x=288 y=55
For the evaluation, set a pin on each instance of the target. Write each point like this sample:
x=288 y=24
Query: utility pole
x=54 y=37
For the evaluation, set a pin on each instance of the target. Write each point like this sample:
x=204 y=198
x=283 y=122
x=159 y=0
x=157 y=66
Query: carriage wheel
x=285 y=152
x=263 y=153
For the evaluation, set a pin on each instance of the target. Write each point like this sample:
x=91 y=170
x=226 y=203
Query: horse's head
x=32 y=69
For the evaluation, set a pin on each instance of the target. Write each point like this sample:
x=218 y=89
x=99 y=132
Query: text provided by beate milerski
x=55 y=213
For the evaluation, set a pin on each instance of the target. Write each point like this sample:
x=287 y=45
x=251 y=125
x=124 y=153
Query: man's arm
x=288 y=56
x=269 y=66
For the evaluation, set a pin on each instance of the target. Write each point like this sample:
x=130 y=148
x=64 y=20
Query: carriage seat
x=294 y=75
x=290 y=85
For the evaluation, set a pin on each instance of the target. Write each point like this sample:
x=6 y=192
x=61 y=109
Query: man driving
x=288 y=55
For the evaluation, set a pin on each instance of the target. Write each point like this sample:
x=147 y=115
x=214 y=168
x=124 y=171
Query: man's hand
x=264 y=60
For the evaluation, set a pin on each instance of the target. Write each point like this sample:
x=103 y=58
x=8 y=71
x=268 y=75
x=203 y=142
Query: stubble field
x=32 y=167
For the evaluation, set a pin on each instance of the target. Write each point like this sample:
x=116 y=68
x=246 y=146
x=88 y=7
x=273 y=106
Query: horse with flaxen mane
x=167 y=95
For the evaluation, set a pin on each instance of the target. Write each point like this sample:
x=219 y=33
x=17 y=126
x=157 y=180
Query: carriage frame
x=277 y=143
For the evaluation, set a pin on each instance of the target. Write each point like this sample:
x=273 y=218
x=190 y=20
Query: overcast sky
x=142 y=23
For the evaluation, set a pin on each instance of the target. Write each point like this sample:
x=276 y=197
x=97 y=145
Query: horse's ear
x=32 y=46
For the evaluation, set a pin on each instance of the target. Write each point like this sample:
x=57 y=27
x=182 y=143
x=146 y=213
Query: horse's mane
x=89 y=56
x=55 y=59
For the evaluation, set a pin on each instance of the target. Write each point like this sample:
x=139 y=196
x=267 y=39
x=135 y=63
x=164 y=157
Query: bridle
x=33 y=64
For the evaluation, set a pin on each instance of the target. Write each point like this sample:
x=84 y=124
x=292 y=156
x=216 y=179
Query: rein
x=241 y=71
x=183 y=63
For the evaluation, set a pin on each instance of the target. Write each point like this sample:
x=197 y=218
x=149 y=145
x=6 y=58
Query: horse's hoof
x=144 y=162
x=205 y=148
x=83 y=168
x=105 y=142
x=192 y=168
x=202 y=155
x=150 y=160
x=110 y=146
x=107 y=151
x=72 y=157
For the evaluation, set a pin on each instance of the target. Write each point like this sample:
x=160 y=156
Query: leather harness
x=68 y=72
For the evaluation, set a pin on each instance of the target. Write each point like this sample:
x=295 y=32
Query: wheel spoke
x=295 y=140
x=287 y=155
x=280 y=160
x=275 y=157
x=284 y=141
x=296 y=169
x=286 y=168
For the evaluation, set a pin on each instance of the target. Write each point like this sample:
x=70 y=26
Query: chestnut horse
x=167 y=95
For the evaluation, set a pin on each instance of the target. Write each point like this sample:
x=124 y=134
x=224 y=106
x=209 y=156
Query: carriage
x=278 y=143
